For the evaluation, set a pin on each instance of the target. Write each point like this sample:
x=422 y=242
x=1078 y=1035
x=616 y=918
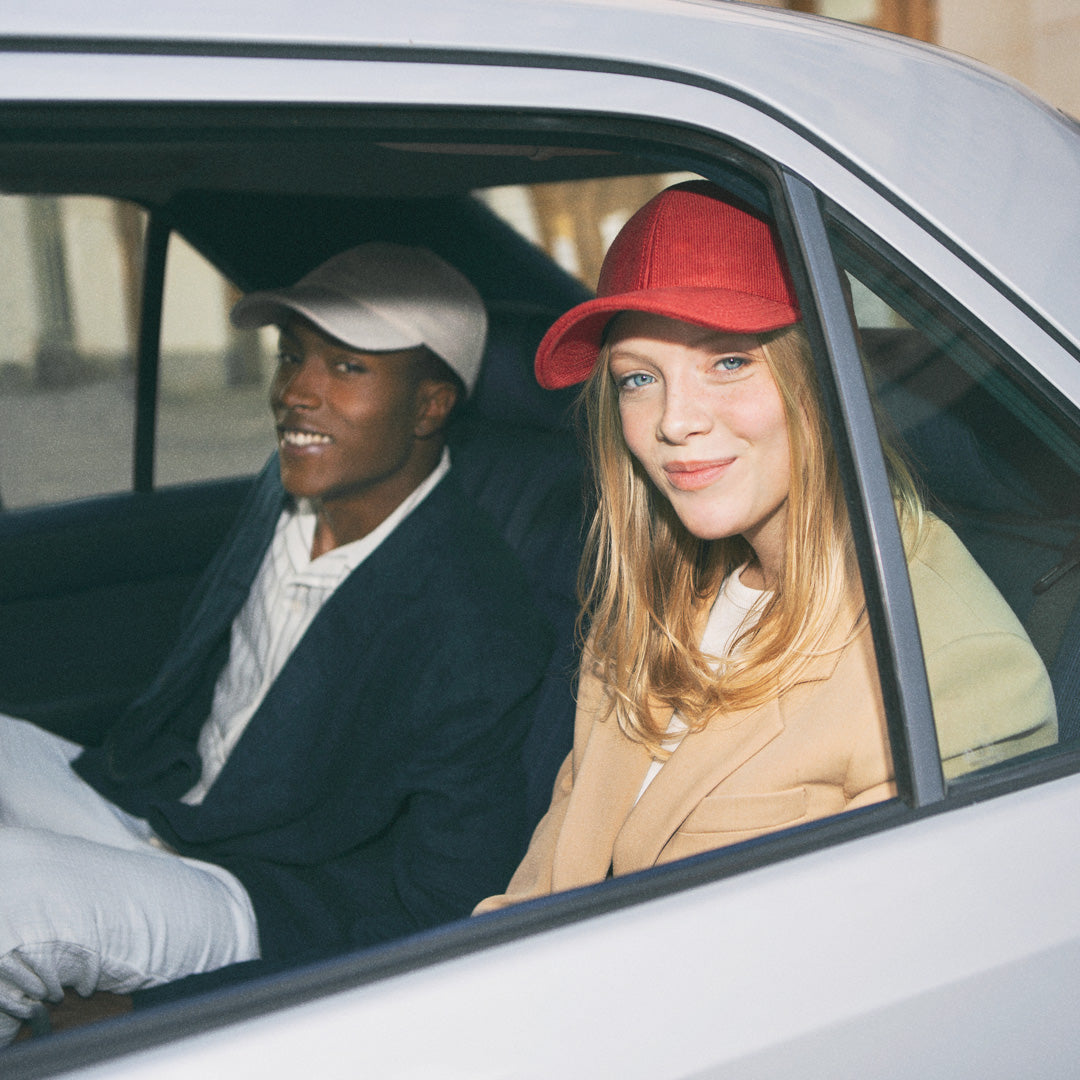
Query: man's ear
x=435 y=400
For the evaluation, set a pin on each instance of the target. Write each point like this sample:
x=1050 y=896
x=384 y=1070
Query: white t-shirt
x=735 y=609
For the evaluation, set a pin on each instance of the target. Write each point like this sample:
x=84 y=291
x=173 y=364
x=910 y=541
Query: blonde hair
x=645 y=578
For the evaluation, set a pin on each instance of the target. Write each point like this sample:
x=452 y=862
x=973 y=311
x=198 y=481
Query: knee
x=38 y=888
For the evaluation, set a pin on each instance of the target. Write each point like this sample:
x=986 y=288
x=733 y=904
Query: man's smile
x=300 y=439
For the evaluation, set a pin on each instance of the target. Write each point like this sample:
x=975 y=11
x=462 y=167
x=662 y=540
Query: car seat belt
x=1056 y=594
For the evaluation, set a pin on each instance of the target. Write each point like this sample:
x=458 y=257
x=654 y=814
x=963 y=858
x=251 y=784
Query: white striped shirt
x=285 y=597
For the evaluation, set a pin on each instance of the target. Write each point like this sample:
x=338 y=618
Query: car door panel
x=91 y=597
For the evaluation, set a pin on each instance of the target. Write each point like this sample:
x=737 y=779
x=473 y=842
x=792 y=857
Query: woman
x=729 y=686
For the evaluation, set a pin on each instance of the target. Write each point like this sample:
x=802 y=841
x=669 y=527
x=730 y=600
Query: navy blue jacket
x=378 y=789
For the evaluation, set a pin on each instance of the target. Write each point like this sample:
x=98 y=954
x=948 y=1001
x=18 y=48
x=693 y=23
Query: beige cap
x=382 y=297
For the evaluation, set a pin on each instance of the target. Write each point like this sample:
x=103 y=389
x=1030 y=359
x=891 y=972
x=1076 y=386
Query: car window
x=68 y=319
x=574 y=221
x=999 y=463
x=213 y=416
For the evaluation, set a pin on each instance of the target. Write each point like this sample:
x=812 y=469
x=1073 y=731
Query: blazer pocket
x=743 y=813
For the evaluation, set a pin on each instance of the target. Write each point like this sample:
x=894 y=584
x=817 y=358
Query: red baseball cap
x=691 y=253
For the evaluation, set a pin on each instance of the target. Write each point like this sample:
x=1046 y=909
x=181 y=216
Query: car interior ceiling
x=289 y=157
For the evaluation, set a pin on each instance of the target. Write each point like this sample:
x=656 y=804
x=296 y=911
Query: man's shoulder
x=459 y=530
x=453 y=553
x=474 y=553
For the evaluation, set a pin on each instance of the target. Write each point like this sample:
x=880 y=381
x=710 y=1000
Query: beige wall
x=1035 y=41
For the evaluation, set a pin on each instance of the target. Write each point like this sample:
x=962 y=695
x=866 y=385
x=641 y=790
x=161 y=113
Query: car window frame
x=148 y=352
x=799 y=218
x=878 y=544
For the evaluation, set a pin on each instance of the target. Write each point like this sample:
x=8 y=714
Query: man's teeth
x=303 y=438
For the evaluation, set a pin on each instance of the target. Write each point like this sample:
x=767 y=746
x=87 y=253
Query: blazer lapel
x=701 y=761
x=608 y=778
x=135 y=746
x=604 y=828
x=706 y=758
x=224 y=586
x=330 y=655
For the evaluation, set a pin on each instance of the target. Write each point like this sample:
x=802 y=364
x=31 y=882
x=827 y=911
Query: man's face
x=348 y=424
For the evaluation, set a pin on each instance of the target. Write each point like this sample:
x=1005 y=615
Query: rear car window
x=69 y=304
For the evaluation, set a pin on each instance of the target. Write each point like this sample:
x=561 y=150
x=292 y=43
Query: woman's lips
x=694 y=475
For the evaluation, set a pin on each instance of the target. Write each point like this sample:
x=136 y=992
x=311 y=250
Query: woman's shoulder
x=953 y=595
x=991 y=695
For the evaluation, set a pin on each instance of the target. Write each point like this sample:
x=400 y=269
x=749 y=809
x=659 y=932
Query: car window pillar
x=882 y=563
x=149 y=353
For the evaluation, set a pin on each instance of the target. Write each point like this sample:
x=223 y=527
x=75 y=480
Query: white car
x=150 y=152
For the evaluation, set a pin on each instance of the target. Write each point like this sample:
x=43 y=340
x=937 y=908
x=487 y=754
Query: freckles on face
x=702 y=413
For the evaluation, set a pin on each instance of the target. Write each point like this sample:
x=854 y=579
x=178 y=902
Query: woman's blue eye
x=733 y=363
x=286 y=357
x=634 y=381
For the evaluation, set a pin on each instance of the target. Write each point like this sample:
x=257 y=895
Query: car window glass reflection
x=1004 y=473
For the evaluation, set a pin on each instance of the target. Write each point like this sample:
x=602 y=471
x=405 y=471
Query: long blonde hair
x=645 y=578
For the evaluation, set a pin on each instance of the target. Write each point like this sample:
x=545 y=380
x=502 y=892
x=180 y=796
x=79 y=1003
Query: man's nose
x=297 y=385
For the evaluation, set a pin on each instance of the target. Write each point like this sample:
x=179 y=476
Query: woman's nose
x=684 y=412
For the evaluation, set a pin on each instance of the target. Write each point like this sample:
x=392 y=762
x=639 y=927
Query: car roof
x=982 y=161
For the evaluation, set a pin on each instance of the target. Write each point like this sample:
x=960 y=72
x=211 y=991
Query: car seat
x=515 y=453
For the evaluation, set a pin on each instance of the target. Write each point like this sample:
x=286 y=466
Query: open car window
x=210 y=417
x=213 y=380
x=69 y=309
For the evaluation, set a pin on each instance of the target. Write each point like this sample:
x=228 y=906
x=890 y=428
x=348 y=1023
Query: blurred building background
x=1035 y=41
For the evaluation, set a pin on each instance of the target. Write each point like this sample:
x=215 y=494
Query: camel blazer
x=818 y=749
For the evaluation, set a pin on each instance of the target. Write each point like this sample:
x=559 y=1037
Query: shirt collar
x=337 y=563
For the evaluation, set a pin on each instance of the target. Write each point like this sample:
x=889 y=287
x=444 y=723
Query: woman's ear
x=435 y=401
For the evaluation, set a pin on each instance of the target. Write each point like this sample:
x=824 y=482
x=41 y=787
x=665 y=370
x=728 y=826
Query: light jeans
x=88 y=899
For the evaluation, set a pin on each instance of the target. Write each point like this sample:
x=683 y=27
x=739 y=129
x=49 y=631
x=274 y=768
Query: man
x=330 y=756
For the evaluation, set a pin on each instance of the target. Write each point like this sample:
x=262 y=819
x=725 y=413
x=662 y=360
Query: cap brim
x=345 y=319
x=568 y=351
